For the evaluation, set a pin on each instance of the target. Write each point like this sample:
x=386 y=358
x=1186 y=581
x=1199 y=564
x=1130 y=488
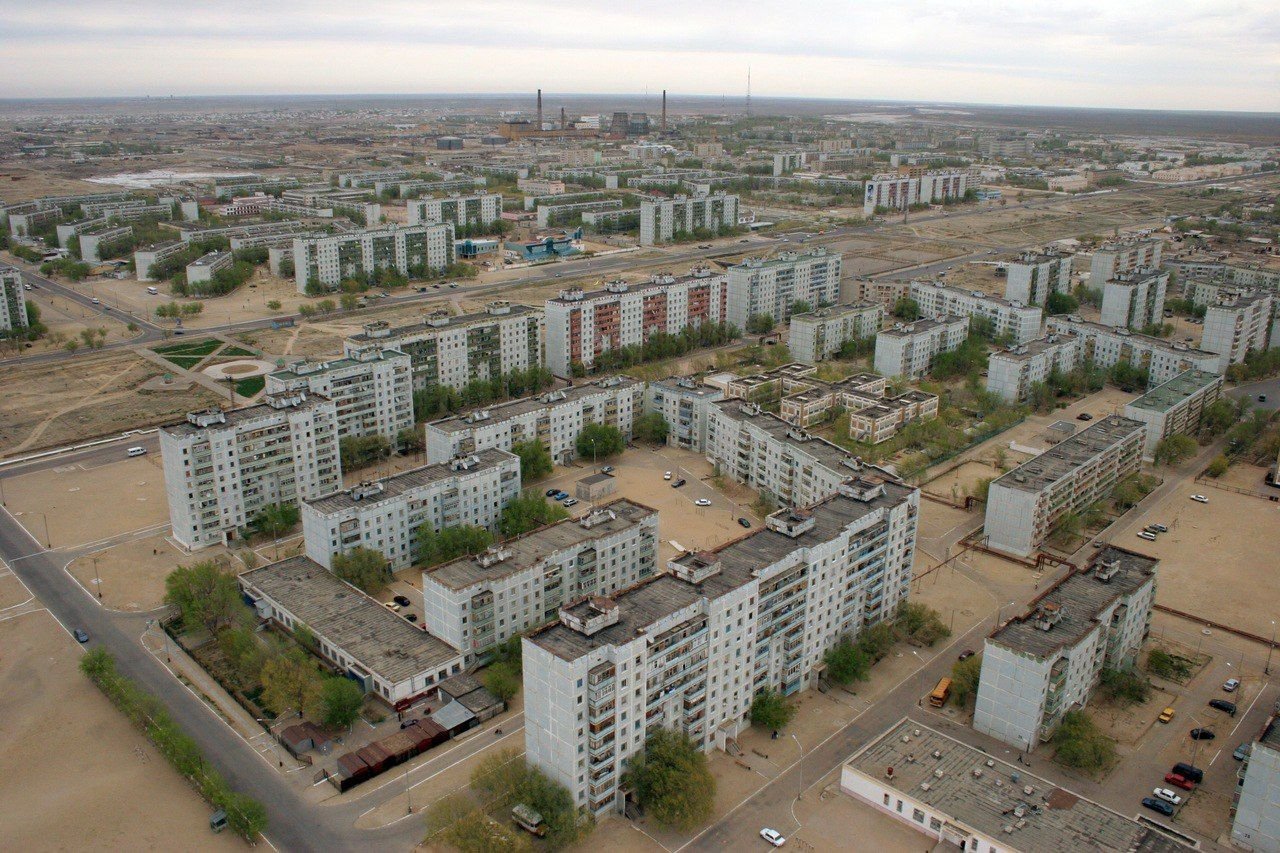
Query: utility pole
x=97 y=580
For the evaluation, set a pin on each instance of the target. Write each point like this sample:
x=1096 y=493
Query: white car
x=1168 y=796
x=1200 y=499
x=666 y=475
x=773 y=837
x=703 y=502
x=1231 y=685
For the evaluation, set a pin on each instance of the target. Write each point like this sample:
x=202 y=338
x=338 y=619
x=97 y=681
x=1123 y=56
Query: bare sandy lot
x=74 y=775
x=66 y=320
x=47 y=405
x=82 y=505
x=12 y=592
x=132 y=573
x=961 y=481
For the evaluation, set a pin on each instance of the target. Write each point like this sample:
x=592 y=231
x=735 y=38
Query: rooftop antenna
x=748 y=91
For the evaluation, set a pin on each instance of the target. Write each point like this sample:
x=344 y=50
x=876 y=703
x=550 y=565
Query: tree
x=241 y=648
x=326 y=306
x=204 y=593
x=290 y=680
x=349 y=301
x=501 y=682
x=410 y=440
x=340 y=701
x=359 y=451
x=1081 y=744
x=760 y=324
x=771 y=710
x=800 y=307
x=1061 y=303
x=535 y=460
x=528 y=512
x=273 y=304
x=671 y=780
x=846 y=663
x=877 y=640
x=651 y=427
x=363 y=568
x=1174 y=449
x=434 y=547
x=275 y=520
x=457 y=820
x=965 y=675
x=597 y=441
x=921 y=623
x=906 y=308
x=1218 y=466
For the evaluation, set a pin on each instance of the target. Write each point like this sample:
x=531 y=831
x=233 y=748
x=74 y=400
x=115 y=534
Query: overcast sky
x=1174 y=54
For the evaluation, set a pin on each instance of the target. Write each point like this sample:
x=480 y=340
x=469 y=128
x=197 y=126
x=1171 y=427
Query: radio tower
x=748 y=91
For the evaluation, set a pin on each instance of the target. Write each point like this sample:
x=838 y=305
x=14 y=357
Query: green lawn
x=252 y=385
x=186 y=362
x=238 y=352
x=189 y=347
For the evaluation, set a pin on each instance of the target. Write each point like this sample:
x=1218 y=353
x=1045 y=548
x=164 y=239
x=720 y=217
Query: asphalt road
x=1269 y=388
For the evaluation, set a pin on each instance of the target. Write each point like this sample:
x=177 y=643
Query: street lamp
x=1000 y=612
x=799 y=768
x=1270 y=647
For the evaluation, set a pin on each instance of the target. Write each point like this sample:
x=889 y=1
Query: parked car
x=966 y=654
x=1262 y=398
x=1152 y=528
x=402 y=600
x=1159 y=528
x=1179 y=781
x=1186 y=771
x=392 y=606
x=1084 y=416
x=1242 y=751
x=744 y=522
x=1147 y=535
x=1224 y=706
x=703 y=502
x=560 y=495
x=1158 y=806
x=1200 y=499
x=1168 y=796
x=81 y=635
x=608 y=469
x=571 y=502
x=552 y=492
x=666 y=475
x=773 y=837
x=412 y=617
x=1231 y=685
x=1202 y=734
x=1166 y=715
x=678 y=483
x=95 y=301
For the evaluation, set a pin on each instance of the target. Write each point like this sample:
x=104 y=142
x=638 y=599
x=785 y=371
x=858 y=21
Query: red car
x=1179 y=781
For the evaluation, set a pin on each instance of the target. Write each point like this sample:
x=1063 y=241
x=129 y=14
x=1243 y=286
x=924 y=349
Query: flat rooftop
x=303 y=369
x=833 y=312
x=209 y=260
x=685 y=386
x=234 y=417
x=922 y=326
x=454 y=322
x=1073 y=322
x=515 y=408
x=1164 y=397
x=1060 y=460
x=821 y=450
x=656 y=282
x=966 y=293
x=740 y=562
x=783 y=259
x=529 y=550
x=1080 y=597
x=407 y=481
x=382 y=642
x=1031 y=349
x=1055 y=819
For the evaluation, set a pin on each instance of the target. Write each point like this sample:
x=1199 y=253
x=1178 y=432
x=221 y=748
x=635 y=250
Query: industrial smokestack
x=563 y=125
x=539 y=127
x=664 y=110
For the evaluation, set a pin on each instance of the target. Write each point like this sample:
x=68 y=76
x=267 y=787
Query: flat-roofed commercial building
x=371 y=388
x=415 y=251
x=222 y=467
x=818 y=335
x=581 y=325
x=388 y=656
x=1017 y=320
x=554 y=418
x=13 y=301
x=1111 y=259
x=1106 y=346
x=1135 y=299
x=453 y=350
x=909 y=349
x=771 y=287
x=689 y=649
x=1238 y=323
x=1025 y=505
x=686 y=407
x=1177 y=406
x=961 y=797
x=385 y=515
x=480 y=601
x=1042 y=664
x=1012 y=372
x=1034 y=275
x=1256 y=820
x=478 y=209
x=662 y=220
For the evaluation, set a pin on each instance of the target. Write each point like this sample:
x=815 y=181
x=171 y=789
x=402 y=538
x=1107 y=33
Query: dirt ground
x=305 y=340
x=67 y=319
x=47 y=405
x=132 y=573
x=1126 y=724
x=1251 y=477
x=12 y=592
x=1214 y=561
x=80 y=505
x=961 y=481
x=79 y=777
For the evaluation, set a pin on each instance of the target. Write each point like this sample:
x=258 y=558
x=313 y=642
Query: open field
x=66 y=320
x=132 y=573
x=76 y=505
x=48 y=405
x=79 y=777
x=961 y=481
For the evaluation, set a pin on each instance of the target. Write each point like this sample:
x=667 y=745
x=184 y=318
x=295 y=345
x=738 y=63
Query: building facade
x=372 y=389
x=414 y=251
x=1134 y=299
x=819 y=335
x=1016 y=320
x=908 y=349
x=1011 y=373
x=1034 y=275
x=1175 y=407
x=479 y=209
x=1239 y=323
x=1025 y=505
x=662 y=220
x=771 y=287
x=1255 y=820
x=1106 y=346
x=222 y=467
x=686 y=407
x=1038 y=666
x=1112 y=259
x=13 y=301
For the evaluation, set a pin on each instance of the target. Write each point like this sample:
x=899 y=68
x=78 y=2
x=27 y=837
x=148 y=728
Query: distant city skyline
x=1139 y=54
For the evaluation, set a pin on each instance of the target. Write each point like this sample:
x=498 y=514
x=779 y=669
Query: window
x=917 y=816
x=899 y=806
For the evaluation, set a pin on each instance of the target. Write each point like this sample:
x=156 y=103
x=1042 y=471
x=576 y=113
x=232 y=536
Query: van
x=1224 y=706
x=136 y=451
x=154 y=291
x=1147 y=535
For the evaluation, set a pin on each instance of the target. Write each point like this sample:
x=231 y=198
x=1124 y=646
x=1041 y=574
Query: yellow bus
x=938 y=697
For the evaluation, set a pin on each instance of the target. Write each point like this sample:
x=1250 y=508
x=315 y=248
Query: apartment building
x=1134 y=299
x=549 y=215
x=760 y=286
x=580 y=325
x=1255 y=820
x=554 y=418
x=1113 y=259
x=1238 y=323
x=664 y=219
x=478 y=602
x=384 y=515
x=686 y=407
x=1177 y=406
x=1042 y=664
x=1016 y=320
x=900 y=191
x=386 y=655
x=1106 y=346
x=1034 y=275
x=94 y=241
x=1012 y=372
x=146 y=258
x=908 y=349
x=688 y=649
x=222 y=467
x=819 y=335
x=460 y=210
x=536 y=186
x=371 y=388
x=203 y=268
x=1025 y=505
x=786 y=162
x=414 y=251
x=13 y=302
x=452 y=350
